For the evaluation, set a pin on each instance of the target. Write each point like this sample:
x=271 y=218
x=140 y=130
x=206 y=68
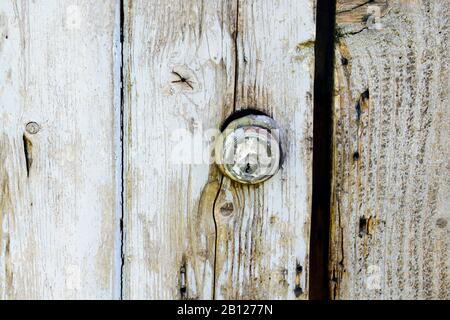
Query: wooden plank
x=58 y=175
x=391 y=197
x=263 y=231
x=170 y=229
x=169 y=193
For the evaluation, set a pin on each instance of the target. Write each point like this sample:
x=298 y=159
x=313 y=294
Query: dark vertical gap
x=322 y=146
x=122 y=151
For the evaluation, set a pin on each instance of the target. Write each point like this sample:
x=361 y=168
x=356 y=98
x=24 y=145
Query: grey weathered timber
x=390 y=230
x=59 y=139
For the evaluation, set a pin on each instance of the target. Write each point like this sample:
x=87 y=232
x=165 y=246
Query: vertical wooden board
x=58 y=223
x=390 y=233
x=263 y=231
x=169 y=232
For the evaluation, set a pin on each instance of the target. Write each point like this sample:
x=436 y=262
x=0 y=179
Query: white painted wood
x=58 y=224
x=390 y=230
x=170 y=232
x=263 y=231
x=169 y=227
x=188 y=231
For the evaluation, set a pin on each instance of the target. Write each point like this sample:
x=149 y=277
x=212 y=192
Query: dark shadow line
x=322 y=150
x=216 y=240
x=122 y=149
x=236 y=57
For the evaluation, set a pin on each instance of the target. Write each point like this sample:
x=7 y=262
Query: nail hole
x=441 y=222
x=362 y=226
x=298 y=291
x=365 y=95
x=182 y=79
x=32 y=127
x=227 y=209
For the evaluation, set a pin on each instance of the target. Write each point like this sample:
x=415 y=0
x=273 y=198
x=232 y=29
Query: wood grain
x=169 y=194
x=58 y=176
x=263 y=231
x=390 y=233
x=360 y=13
x=188 y=65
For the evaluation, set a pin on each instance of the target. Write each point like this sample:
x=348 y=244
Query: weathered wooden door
x=107 y=188
x=187 y=232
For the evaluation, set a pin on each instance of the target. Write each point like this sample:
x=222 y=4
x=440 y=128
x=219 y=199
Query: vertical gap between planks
x=236 y=56
x=119 y=40
x=322 y=149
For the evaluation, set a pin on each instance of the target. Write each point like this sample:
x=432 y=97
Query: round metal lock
x=249 y=150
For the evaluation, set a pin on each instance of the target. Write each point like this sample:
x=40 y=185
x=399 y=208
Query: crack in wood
x=183 y=279
x=355 y=7
x=236 y=56
x=122 y=148
x=216 y=238
x=182 y=79
x=28 y=153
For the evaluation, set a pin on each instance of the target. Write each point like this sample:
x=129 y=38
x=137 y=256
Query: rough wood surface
x=390 y=231
x=58 y=223
x=183 y=61
x=263 y=231
x=168 y=224
x=357 y=13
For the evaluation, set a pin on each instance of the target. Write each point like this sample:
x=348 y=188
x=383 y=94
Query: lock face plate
x=249 y=149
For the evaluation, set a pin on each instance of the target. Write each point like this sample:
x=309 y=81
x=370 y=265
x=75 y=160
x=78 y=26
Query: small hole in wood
x=362 y=226
x=298 y=291
x=227 y=209
x=365 y=94
x=441 y=222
